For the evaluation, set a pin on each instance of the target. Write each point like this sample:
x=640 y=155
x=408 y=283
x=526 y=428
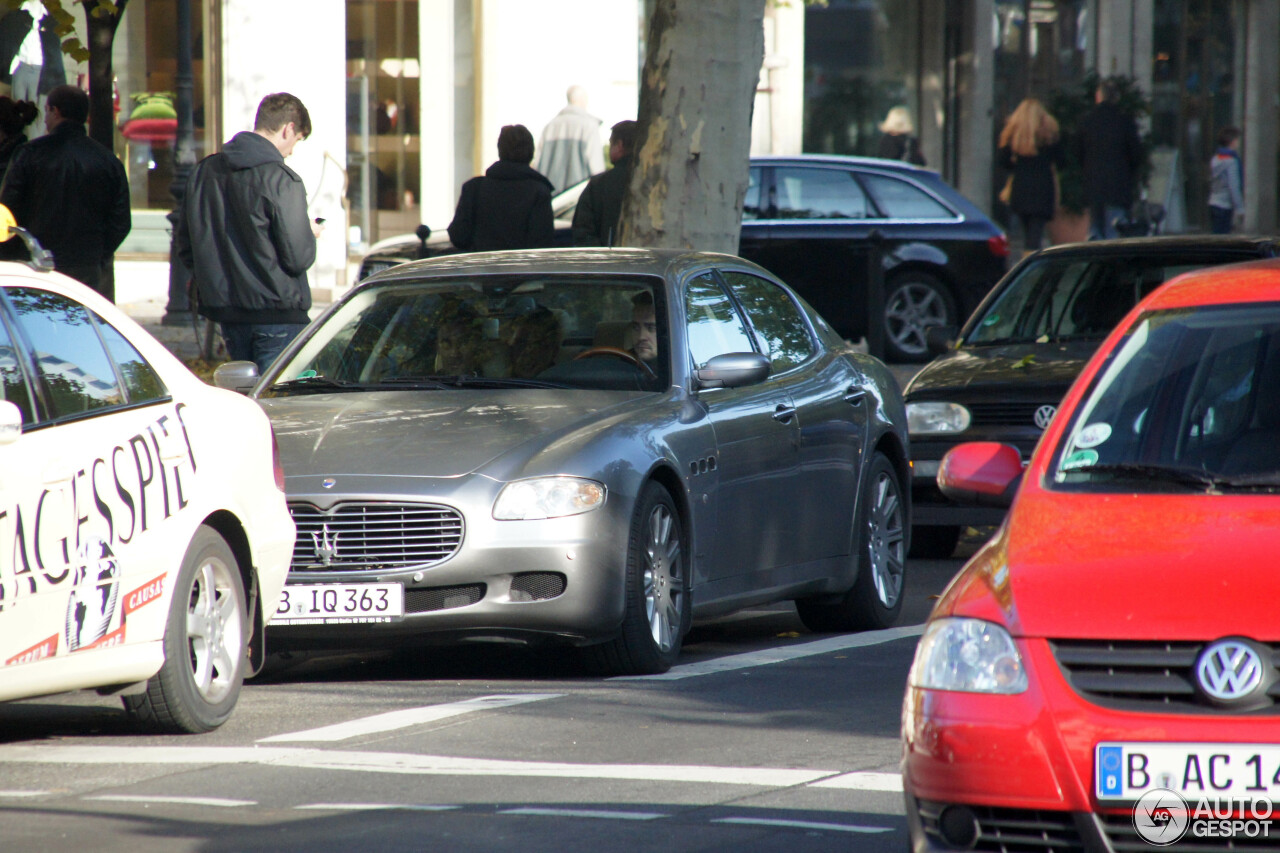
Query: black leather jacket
x=71 y=193
x=245 y=235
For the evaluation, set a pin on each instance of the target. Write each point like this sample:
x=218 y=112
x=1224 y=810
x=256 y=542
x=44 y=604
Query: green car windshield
x=1190 y=399
x=1068 y=299
x=508 y=331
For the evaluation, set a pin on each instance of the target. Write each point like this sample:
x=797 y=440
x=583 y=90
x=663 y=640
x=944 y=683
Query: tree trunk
x=696 y=96
x=101 y=25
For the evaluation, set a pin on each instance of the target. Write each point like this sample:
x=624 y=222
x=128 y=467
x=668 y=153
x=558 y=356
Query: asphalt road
x=764 y=737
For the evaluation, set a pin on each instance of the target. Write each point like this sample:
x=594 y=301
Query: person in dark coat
x=1029 y=148
x=595 y=220
x=897 y=141
x=15 y=116
x=71 y=193
x=244 y=233
x=1110 y=152
x=509 y=206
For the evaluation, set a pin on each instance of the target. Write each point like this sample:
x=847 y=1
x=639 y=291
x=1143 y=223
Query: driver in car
x=644 y=327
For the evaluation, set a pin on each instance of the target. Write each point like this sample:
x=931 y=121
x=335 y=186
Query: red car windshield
x=1189 y=399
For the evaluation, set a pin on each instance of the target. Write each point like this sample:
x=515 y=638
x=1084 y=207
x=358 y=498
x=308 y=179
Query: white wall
x=532 y=53
x=296 y=46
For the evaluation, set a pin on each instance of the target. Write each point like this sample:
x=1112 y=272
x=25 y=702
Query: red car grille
x=362 y=536
x=1147 y=676
x=1010 y=830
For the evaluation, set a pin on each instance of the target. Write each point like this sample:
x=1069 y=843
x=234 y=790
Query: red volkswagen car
x=1114 y=648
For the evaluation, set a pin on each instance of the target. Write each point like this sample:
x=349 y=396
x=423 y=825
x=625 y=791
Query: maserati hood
x=427 y=434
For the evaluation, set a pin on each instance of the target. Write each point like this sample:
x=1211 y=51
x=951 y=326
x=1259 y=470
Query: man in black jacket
x=509 y=206
x=1109 y=152
x=71 y=193
x=245 y=235
x=595 y=219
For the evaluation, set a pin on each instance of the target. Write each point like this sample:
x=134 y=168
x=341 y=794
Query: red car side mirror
x=982 y=473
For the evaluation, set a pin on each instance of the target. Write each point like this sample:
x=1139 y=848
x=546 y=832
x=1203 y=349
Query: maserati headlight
x=547 y=497
x=936 y=418
x=969 y=655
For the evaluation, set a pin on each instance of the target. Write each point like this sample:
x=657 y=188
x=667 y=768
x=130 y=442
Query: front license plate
x=340 y=603
x=1124 y=771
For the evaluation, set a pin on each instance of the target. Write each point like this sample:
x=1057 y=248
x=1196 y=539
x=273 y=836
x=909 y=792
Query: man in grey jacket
x=245 y=235
x=570 y=150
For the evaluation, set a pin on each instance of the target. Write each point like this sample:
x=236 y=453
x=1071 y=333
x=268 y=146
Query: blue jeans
x=258 y=342
x=1102 y=221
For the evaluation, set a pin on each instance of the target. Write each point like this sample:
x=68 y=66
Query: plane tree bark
x=694 y=142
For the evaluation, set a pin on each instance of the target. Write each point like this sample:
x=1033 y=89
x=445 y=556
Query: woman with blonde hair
x=896 y=140
x=1029 y=147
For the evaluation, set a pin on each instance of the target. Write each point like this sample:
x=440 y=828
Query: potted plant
x=1069 y=106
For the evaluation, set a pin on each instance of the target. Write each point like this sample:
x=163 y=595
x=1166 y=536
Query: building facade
x=407 y=96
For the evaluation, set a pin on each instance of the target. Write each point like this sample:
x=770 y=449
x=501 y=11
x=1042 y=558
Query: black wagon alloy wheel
x=913 y=302
x=657 y=592
x=875 y=600
x=204 y=643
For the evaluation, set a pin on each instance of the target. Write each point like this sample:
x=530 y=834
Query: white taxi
x=144 y=538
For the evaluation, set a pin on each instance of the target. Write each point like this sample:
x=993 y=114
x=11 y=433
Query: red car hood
x=1131 y=567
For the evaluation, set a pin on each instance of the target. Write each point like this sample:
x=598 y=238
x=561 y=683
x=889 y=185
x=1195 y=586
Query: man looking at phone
x=244 y=233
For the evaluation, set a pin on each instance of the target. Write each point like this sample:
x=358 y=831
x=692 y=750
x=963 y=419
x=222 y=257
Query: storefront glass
x=383 y=98
x=861 y=58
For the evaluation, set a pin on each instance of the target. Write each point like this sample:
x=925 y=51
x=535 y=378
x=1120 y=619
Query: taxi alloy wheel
x=204 y=644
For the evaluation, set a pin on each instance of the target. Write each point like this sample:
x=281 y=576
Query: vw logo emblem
x=1044 y=415
x=328 y=482
x=1229 y=670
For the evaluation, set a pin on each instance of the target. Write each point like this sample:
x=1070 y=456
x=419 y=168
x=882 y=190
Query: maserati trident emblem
x=1044 y=415
x=1229 y=670
x=326 y=546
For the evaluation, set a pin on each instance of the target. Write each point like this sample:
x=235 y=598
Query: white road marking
x=608 y=815
x=362 y=807
x=216 y=802
x=802 y=824
x=862 y=781
x=779 y=654
x=393 y=720
x=390 y=762
x=10 y=794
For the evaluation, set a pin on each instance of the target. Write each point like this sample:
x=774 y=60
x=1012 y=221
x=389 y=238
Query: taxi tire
x=879 y=543
x=657 y=577
x=196 y=689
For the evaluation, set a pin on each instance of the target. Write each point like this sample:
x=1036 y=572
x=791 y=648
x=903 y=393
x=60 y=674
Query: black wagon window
x=779 y=325
x=73 y=366
x=901 y=200
x=13 y=383
x=714 y=325
x=819 y=194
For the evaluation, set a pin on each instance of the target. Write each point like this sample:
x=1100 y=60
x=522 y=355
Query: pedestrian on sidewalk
x=15 y=116
x=71 y=193
x=509 y=206
x=570 y=150
x=1226 y=183
x=595 y=219
x=244 y=233
x=1030 y=150
x=897 y=138
x=1109 y=151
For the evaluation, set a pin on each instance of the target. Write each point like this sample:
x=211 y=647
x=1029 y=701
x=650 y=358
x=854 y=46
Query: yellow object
x=7 y=223
x=1006 y=193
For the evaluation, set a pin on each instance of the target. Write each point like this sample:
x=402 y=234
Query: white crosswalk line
x=393 y=720
x=215 y=802
x=862 y=781
x=803 y=824
x=779 y=654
